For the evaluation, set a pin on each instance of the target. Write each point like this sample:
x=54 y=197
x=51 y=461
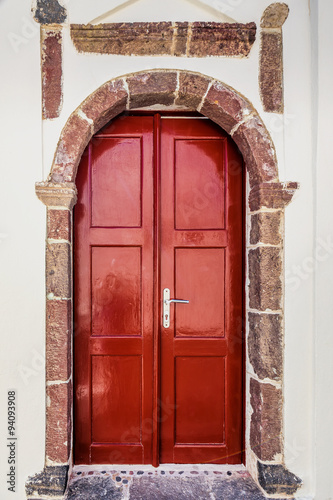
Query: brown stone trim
x=266 y=420
x=58 y=340
x=271 y=195
x=199 y=39
x=58 y=423
x=271 y=57
x=265 y=345
x=266 y=228
x=51 y=66
x=265 y=269
x=57 y=195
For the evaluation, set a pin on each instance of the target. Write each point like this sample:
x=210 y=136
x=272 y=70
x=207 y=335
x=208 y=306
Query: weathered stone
x=57 y=195
x=254 y=141
x=104 y=104
x=51 y=481
x=156 y=488
x=73 y=140
x=58 y=422
x=265 y=345
x=266 y=420
x=192 y=88
x=51 y=54
x=266 y=228
x=49 y=12
x=156 y=87
x=58 y=280
x=221 y=39
x=277 y=479
x=224 y=106
x=180 y=39
x=142 y=39
x=271 y=72
x=265 y=288
x=271 y=195
x=59 y=224
x=58 y=340
x=94 y=488
x=199 y=39
x=274 y=15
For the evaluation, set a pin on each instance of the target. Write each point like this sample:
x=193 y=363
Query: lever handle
x=166 y=306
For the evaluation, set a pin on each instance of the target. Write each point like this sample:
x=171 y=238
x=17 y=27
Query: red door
x=159 y=216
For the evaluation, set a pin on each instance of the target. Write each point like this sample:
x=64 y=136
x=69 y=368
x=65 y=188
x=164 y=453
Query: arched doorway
x=159 y=215
x=266 y=200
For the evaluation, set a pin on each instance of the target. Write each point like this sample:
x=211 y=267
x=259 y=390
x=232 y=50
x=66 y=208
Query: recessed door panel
x=159 y=207
x=116 y=167
x=116 y=392
x=116 y=290
x=199 y=277
x=200 y=413
x=199 y=184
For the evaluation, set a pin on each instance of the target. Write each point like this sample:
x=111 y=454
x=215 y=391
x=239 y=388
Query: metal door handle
x=166 y=306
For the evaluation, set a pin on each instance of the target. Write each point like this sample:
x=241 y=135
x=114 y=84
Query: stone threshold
x=166 y=482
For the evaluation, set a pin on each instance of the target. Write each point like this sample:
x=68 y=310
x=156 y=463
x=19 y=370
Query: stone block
x=265 y=345
x=256 y=146
x=265 y=288
x=59 y=224
x=221 y=39
x=73 y=140
x=276 y=479
x=266 y=227
x=156 y=87
x=51 y=482
x=58 y=340
x=58 y=422
x=192 y=88
x=266 y=420
x=224 y=106
x=106 y=103
x=51 y=54
x=272 y=195
x=58 y=280
x=271 y=72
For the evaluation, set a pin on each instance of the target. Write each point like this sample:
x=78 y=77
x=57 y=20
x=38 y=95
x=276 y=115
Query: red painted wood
x=143 y=222
x=113 y=262
x=201 y=260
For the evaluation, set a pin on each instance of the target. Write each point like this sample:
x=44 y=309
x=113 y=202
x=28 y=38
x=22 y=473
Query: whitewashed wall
x=302 y=139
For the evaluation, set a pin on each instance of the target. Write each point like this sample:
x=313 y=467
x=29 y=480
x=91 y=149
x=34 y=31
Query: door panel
x=113 y=262
x=159 y=206
x=201 y=365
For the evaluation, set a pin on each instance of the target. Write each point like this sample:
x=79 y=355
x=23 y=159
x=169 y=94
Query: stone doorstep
x=167 y=482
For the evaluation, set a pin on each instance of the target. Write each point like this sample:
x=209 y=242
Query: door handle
x=166 y=306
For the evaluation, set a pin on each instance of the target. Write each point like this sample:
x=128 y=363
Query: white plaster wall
x=22 y=233
x=302 y=156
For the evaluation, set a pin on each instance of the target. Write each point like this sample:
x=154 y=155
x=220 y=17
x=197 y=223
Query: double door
x=158 y=218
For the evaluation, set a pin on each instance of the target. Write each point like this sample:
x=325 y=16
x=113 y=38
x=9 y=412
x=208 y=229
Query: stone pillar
x=59 y=200
x=265 y=337
x=271 y=57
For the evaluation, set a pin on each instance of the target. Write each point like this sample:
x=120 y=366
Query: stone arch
x=267 y=199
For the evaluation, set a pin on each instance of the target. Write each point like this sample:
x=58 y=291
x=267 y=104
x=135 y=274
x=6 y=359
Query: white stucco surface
x=302 y=137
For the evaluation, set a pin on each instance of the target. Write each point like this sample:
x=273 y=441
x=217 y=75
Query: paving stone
x=234 y=489
x=94 y=488
x=166 y=488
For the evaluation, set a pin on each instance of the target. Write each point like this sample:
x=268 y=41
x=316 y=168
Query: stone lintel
x=276 y=479
x=198 y=39
x=276 y=195
x=51 y=481
x=59 y=195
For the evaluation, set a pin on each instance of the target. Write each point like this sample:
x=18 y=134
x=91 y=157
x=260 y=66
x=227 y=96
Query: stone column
x=265 y=338
x=59 y=200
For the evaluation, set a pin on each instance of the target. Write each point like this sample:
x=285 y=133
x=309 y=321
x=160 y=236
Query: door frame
x=266 y=199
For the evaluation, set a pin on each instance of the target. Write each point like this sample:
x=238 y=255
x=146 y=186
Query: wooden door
x=159 y=206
